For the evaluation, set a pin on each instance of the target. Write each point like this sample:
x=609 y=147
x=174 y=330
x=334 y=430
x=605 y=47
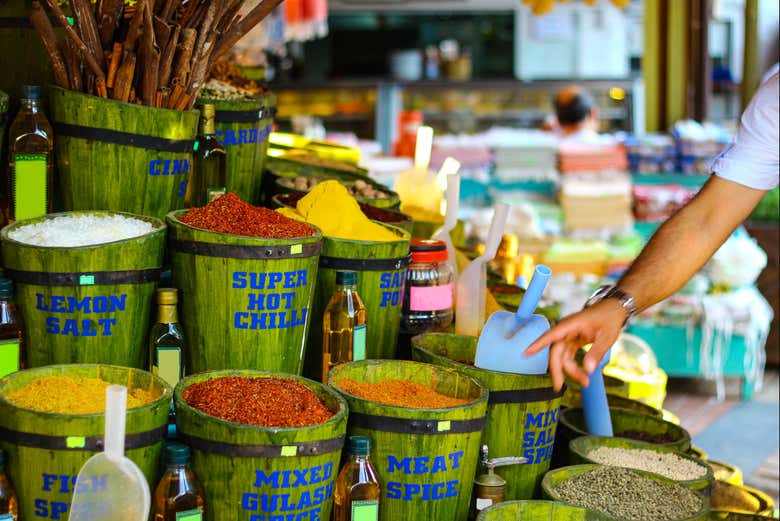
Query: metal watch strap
x=626 y=300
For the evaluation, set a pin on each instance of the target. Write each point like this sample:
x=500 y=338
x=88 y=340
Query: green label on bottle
x=29 y=186
x=190 y=515
x=168 y=366
x=359 y=343
x=9 y=357
x=214 y=193
x=365 y=510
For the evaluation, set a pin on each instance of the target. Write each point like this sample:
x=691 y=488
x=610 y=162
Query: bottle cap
x=359 y=445
x=346 y=278
x=207 y=110
x=6 y=287
x=31 y=92
x=167 y=296
x=428 y=250
x=176 y=454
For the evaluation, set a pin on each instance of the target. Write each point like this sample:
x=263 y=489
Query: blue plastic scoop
x=506 y=335
x=594 y=402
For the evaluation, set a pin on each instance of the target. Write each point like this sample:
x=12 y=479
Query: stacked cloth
x=596 y=201
x=584 y=157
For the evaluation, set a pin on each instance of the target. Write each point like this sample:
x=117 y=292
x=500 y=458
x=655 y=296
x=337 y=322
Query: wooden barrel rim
x=540 y=394
x=311 y=448
x=117 y=137
x=159 y=226
x=415 y=426
x=93 y=278
x=135 y=440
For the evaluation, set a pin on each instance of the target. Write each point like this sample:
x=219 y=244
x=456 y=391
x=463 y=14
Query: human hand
x=598 y=325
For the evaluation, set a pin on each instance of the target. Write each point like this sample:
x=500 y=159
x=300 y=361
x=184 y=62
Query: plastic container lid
x=6 y=287
x=176 y=454
x=31 y=92
x=428 y=250
x=359 y=445
x=346 y=278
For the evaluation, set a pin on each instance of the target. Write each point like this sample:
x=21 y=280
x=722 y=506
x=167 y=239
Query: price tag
x=289 y=451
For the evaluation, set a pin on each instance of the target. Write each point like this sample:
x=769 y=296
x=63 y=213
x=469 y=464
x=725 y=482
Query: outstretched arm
x=679 y=248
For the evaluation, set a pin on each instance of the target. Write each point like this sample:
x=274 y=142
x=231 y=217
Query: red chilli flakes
x=229 y=214
x=261 y=401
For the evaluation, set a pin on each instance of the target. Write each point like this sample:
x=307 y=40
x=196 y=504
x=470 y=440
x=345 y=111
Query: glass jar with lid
x=428 y=292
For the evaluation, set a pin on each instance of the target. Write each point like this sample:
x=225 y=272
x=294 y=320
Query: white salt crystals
x=81 y=229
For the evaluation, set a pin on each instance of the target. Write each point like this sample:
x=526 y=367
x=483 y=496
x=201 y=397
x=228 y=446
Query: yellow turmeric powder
x=329 y=207
x=72 y=395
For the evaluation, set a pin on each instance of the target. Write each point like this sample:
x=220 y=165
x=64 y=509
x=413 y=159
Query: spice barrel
x=246 y=302
x=557 y=477
x=425 y=459
x=619 y=402
x=47 y=450
x=243 y=127
x=381 y=267
x=263 y=473
x=579 y=450
x=572 y=425
x=518 y=510
x=85 y=304
x=522 y=410
x=121 y=156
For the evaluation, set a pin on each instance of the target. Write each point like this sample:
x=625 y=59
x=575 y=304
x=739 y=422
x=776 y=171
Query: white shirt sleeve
x=753 y=157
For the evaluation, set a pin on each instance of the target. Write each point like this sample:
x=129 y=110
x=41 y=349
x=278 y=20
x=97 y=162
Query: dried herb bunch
x=155 y=52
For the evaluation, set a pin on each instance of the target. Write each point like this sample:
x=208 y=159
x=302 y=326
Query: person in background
x=742 y=174
x=576 y=116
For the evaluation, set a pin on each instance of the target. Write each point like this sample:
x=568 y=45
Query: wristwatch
x=610 y=291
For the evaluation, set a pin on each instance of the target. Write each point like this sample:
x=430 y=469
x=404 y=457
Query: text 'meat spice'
x=261 y=401
x=229 y=214
x=403 y=393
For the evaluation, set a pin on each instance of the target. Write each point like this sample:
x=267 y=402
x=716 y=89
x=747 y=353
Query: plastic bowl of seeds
x=621 y=452
x=624 y=494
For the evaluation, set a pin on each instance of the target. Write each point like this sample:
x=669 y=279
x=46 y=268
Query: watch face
x=598 y=295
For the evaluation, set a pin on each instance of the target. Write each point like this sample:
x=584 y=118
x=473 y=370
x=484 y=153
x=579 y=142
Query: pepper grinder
x=489 y=489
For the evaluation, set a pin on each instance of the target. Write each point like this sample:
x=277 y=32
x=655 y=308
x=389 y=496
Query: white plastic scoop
x=506 y=335
x=472 y=283
x=110 y=487
x=451 y=217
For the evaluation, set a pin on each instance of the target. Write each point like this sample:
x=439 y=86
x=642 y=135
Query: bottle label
x=430 y=298
x=365 y=510
x=190 y=515
x=214 y=193
x=6 y=517
x=168 y=364
x=29 y=186
x=359 y=343
x=483 y=503
x=9 y=358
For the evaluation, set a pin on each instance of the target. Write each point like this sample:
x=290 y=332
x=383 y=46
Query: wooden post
x=751 y=73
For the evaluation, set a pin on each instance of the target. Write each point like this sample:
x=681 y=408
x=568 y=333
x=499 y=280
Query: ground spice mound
x=404 y=393
x=626 y=495
x=73 y=395
x=265 y=402
x=229 y=214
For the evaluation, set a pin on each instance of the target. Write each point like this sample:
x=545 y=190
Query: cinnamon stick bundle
x=109 y=14
x=87 y=27
x=73 y=61
x=42 y=24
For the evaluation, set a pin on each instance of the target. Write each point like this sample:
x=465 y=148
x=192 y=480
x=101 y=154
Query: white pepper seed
x=668 y=465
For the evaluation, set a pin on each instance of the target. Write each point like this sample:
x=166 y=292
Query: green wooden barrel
x=619 y=402
x=264 y=473
x=86 y=304
x=614 y=387
x=246 y=303
x=522 y=410
x=580 y=447
x=23 y=59
x=572 y=425
x=426 y=459
x=381 y=268
x=243 y=128
x=121 y=156
x=538 y=510
x=382 y=215
x=47 y=450
x=555 y=477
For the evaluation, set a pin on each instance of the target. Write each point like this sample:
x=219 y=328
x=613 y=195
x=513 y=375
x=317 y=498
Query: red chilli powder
x=265 y=402
x=229 y=214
